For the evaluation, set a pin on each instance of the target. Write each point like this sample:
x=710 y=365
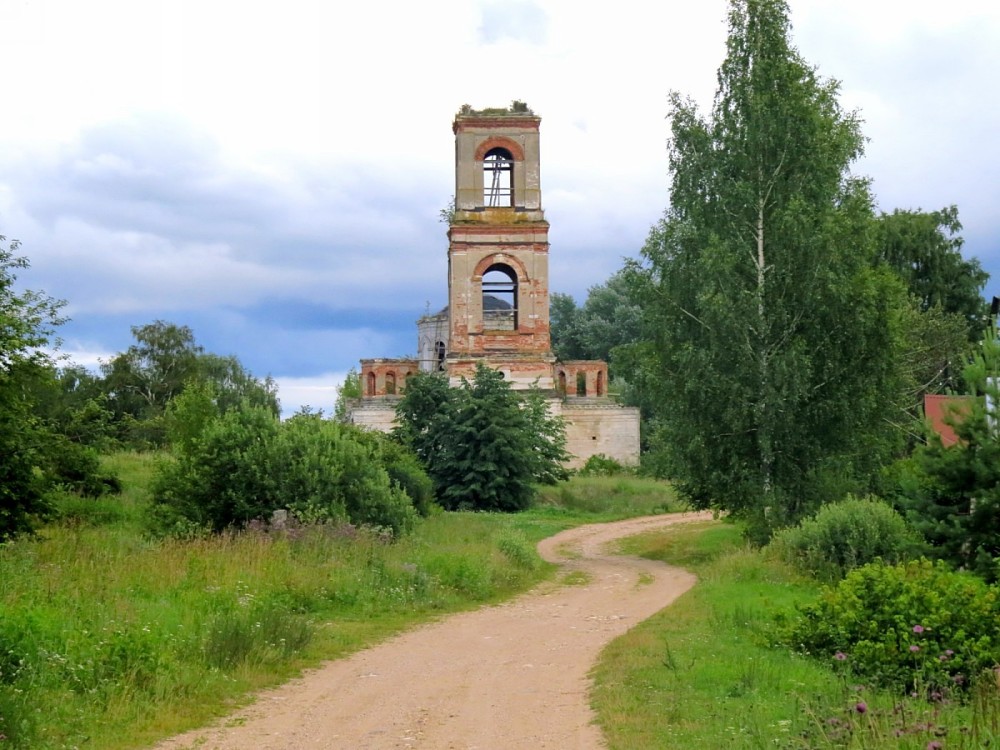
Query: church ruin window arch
x=500 y=298
x=498 y=178
x=371 y=383
x=390 y=384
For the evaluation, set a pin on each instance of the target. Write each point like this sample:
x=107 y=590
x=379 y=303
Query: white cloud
x=272 y=174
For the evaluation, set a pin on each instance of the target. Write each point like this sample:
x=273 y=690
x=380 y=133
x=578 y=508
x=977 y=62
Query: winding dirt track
x=503 y=677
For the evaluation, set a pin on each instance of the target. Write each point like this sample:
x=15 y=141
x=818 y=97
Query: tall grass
x=609 y=497
x=110 y=638
x=703 y=674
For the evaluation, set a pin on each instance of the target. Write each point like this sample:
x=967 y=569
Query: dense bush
x=484 y=445
x=846 y=535
x=603 y=466
x=246 y=464
x=916 y=627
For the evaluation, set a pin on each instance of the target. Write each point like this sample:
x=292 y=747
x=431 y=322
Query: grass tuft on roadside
x=705 y=673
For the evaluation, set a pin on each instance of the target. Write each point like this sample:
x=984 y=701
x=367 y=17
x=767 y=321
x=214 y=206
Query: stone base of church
x=593 y=425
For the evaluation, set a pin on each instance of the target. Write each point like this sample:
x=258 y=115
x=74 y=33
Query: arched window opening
x=390 y=384
x=500 y=298
x=562 y=382
x=581 y=384
x=498 y=178
x=600 y=384
x=371 y=384
x=439 y=351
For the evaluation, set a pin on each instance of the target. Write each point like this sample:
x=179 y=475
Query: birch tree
x=775 y=331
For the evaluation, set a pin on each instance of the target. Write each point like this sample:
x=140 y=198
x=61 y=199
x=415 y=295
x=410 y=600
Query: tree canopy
x=483 y=444
x=775 y=333
x=28 y=320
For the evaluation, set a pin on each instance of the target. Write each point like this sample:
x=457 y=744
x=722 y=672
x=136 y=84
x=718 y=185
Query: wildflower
x=934 y=745
x=840 y=656
x=918 y=629
x=914 y=648
x=861 y=707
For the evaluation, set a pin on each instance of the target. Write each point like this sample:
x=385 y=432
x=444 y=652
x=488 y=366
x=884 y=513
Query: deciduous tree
x=776 y=333
x=28 y=320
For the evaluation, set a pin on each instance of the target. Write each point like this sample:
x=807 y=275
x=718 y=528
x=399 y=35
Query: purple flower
x=914 y=648
x=949 y=652
x=918 y=628
x=861 y=707
x=840 y=656
x=934 y=745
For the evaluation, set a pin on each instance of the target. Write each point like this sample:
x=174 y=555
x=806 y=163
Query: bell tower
x=498 y=248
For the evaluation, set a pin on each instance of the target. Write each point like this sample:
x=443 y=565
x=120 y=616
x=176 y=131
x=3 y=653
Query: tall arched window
x=390 y=384
x=500 y=298
x=371 y=383
x=562 y=382
x=581 y=384
x=439 y=353
x=498 y=178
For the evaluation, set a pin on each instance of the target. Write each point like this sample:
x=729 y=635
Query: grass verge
x=703 y=674
x=111 y=639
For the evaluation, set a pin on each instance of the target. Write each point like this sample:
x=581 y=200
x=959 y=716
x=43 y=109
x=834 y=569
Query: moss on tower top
x=517 y=107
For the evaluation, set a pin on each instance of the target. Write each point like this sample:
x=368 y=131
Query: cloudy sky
x=270 y=174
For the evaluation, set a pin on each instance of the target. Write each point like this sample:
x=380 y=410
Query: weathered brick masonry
x=498 y=296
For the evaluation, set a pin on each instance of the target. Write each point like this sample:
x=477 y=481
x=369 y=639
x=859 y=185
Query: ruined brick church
x=498 y=296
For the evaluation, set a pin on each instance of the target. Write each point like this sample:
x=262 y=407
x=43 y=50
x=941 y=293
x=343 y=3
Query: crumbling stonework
x=498 y=296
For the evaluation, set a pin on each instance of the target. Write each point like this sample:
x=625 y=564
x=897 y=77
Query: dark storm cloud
x=149 y=213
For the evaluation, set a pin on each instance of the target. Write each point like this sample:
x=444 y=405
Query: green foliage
x=140 y=382
x=776 y=336
x=610 y=317
x=951 y=495
x=27 y=323
x=925 y=249
x=246 y=464
x=600 y=465
x=347 y=391
x=111 y=639
x=916 y=626
x=846 y=535
x=706 y=673
x=483 y=446
x=607 y=497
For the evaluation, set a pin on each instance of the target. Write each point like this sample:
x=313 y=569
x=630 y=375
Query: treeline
x=227 y=458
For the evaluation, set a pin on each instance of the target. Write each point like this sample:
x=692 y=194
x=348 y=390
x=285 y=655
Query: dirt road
x=507 y=677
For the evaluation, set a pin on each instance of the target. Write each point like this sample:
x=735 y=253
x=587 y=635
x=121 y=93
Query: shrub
x=603 y=466
x=845 y=535
x=246 y=464
x=914 y=626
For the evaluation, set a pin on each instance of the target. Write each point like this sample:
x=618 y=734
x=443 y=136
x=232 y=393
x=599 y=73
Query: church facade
x=498 y=296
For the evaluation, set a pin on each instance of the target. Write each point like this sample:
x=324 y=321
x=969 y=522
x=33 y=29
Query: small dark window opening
x=562 y=382
x=581 y=384
x=439 y=351
x=390 y=384
x=371 y=384
x=500 y=298
x=498 y=178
